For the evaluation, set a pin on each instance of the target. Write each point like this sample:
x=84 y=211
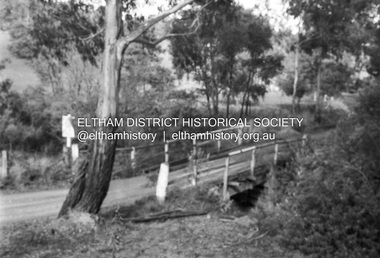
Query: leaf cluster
x=224 y=32
x=335 y=26
x=51 y=29
x=26 y=122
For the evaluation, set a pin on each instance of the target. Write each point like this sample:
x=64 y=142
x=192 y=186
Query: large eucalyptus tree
x=91 y=184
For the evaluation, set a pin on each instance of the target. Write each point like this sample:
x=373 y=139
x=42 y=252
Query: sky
x=245 y=3
x=273 y=8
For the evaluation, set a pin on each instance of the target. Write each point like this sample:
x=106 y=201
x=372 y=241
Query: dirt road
x=27 y=206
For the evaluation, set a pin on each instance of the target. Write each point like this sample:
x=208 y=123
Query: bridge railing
x=234 y=164
x=139 y=158
x=253 y=158
x=147 y=158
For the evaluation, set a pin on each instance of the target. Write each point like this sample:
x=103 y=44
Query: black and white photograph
x=190 y=128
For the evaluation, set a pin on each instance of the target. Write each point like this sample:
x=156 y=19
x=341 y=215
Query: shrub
x=28 y=172
x=336 y=210
x=335 y=201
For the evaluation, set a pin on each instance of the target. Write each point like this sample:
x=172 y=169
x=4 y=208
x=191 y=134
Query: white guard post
x=162 y=182
x=4 y=164
x=68 y=132
x=67 y=129
x=74 y=152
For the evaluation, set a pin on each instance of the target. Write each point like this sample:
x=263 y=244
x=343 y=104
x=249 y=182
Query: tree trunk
x=90 y=187
x=214 y=98
x=230 y=79
x=242 y=104
x=295 y=79
x=214 y=84
x=208 y=90
x=228 y=104
x=317 y=102
x=245 y=95
x=298 y=109
x=91 y=184
x=216 y=102
x=208 y=99
x=247 y=105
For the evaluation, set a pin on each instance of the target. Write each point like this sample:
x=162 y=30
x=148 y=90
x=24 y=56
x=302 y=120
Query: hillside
x=18 y=70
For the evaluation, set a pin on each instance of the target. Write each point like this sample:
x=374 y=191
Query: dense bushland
x=332 y=208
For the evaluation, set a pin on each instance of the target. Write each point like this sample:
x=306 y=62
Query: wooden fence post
x=4 y=164
x=194 y=161
x=304 y=139
x=195 y=173
x=195 y=148
x=253 y=164
x=240 y=132
x=225 y=179
x=275 y=154
x=133 y=158
x=167 y=152
x=251 y=125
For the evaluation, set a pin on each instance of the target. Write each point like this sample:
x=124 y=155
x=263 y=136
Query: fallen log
x=166 y=216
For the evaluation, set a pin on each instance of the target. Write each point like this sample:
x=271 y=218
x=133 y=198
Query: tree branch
x=158 y=41
x=167 y=215
x=153 y=43
x=93 y=35
x=196 y=20
x=139 y=31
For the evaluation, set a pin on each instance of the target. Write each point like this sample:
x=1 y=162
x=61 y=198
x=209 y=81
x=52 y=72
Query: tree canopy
x=227 y=51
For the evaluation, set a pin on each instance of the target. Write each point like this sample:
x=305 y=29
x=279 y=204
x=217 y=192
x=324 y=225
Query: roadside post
x=275 y=158
x=162 y=183
x=304 y=139
x=167 y=152
x=68 y=132
x=74 y=151
x=4 y=164
x=194 y=160
x=133 y=159
x=253 y=164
